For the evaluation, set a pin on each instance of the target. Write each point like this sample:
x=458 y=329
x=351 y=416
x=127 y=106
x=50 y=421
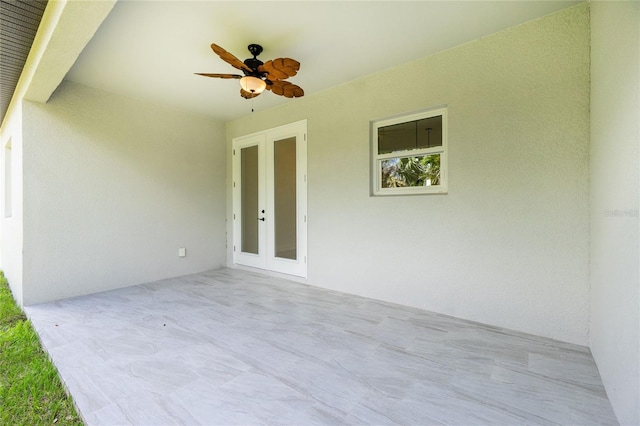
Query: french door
x=270 y=199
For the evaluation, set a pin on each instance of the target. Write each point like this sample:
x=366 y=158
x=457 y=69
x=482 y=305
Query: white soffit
x=151 y=49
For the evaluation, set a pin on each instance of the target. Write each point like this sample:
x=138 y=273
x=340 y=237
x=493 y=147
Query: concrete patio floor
x=232 y=347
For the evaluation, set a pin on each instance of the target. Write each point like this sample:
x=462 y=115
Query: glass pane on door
x=249 y=198
x=284 y=173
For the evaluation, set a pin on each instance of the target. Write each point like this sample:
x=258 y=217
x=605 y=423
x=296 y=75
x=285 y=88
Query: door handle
x=261 y=218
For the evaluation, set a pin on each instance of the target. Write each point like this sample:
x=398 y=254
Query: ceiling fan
x=259 y=75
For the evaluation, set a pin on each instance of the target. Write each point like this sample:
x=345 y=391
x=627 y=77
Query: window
x=410 y=154
x=8 y=195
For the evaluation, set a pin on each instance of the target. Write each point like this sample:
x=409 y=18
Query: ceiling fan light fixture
x=253 y=84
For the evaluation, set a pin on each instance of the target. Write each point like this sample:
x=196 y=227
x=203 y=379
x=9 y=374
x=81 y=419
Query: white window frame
x=376 y=159
x=8 y=180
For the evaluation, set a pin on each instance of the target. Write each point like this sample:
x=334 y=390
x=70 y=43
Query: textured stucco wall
x=113 y=187
x=509 y=244
x=615 y=191
x=11 y=227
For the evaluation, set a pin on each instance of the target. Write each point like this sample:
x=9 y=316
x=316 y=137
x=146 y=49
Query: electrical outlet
x=182 y=252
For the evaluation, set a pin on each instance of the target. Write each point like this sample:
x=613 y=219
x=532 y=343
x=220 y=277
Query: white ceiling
x=150 y=49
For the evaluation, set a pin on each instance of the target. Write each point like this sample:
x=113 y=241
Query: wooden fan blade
x=286 y=89
x=229 y=58
x=248 y=95
x=280 y=68
x=218 y=75
x=274 y=74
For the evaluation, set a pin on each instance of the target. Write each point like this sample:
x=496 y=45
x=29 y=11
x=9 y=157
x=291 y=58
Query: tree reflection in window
x=411 y=171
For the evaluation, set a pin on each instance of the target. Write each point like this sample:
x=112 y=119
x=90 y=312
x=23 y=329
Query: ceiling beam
x=66 y=28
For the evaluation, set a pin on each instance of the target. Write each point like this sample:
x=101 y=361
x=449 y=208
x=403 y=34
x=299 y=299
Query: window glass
x=249 y=198
x=284 y=192
x=411 y=135
x=410 y=171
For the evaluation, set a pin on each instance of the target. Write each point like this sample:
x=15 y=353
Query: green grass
x=30 y=389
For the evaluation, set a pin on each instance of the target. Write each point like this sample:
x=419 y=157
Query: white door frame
x=266 y=258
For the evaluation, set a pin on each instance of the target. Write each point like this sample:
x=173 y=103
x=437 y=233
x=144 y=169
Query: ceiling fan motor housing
x=253 y=63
